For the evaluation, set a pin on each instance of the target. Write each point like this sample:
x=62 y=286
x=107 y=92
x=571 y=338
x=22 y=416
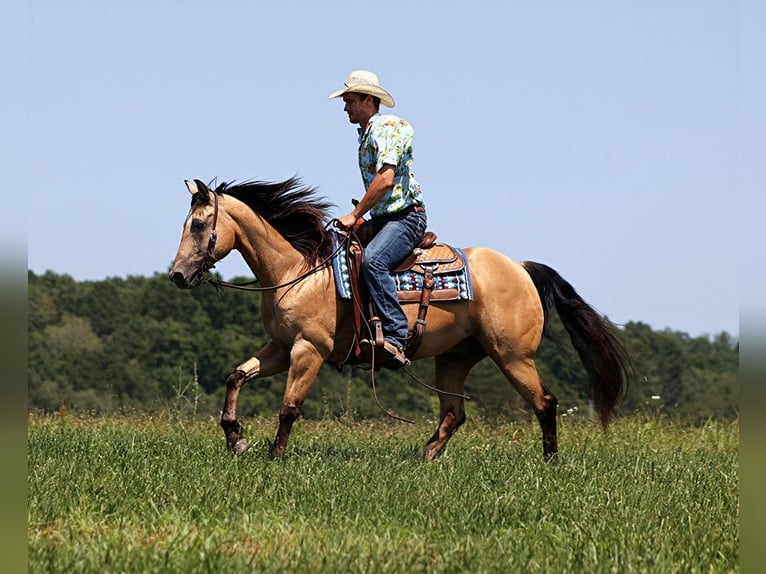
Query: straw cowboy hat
x=364 y=82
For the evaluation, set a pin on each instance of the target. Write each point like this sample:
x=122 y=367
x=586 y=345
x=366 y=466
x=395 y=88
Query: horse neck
x=270 y=257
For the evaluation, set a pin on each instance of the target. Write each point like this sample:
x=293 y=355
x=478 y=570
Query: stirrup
x=393 y=358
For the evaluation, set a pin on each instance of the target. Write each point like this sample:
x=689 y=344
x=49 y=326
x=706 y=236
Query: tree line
x=139 y=343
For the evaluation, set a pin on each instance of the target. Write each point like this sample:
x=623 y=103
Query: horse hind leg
x=523 y=375
x=451 y=370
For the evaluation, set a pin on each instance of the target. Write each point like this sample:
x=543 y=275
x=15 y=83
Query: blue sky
x=605 y=139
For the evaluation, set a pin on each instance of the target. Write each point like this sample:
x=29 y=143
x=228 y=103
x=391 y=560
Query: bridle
x=208 y=261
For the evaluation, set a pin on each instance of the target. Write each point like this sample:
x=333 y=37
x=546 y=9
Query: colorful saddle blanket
x=449 y=265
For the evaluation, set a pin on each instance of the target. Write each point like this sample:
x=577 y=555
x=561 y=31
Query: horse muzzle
x=185 y=280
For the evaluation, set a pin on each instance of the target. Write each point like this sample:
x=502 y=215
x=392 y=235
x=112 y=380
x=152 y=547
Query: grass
x=143 y=494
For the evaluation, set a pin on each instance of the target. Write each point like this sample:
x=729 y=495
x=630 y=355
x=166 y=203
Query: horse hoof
x=551 y=457
x=429 y=454
x=240 y=446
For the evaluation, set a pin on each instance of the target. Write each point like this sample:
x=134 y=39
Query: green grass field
x=161 y=494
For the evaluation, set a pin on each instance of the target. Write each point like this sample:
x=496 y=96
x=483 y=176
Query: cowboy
x=392 y=198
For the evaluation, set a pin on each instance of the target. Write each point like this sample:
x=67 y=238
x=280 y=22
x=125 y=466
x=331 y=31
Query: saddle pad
x=448 y=286
x=451 y=284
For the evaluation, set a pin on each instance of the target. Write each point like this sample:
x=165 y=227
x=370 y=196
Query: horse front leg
x=305 y=362
x=270 y=360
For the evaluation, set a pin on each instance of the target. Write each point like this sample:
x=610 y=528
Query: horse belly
x=447 y=324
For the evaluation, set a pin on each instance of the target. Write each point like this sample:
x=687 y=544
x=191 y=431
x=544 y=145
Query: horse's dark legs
x=448 y=425
x=288 y=414
x=547 y=419
x=235 y=440
x=305 y=362
x=450 y=374
x=268 y=361
x=525 y=378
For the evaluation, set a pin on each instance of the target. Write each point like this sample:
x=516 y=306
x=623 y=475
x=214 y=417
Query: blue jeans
x=395 y=238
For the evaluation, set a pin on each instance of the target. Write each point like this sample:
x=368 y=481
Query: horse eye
x=197 y=226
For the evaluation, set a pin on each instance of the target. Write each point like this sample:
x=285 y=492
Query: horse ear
x=201 y=186
x=197 y=186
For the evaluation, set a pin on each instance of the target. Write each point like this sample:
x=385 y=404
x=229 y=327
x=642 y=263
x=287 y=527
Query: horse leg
x=451 y=370
x=523 y=375
x=270 y=360
x=305 y=362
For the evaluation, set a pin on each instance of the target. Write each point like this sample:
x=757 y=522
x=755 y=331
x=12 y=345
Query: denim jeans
x=395 y=238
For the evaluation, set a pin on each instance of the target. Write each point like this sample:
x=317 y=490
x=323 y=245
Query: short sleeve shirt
x=388 y=140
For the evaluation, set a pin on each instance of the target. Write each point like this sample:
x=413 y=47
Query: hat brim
x=385 y=97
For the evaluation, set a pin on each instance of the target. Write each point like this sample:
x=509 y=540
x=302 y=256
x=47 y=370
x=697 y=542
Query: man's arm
x=379 y=187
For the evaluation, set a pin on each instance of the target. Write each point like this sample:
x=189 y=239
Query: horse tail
x=602 y=354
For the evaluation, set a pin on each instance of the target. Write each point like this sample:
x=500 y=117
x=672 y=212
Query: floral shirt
x=388 y=140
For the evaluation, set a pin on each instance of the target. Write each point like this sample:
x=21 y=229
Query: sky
x=614 y=141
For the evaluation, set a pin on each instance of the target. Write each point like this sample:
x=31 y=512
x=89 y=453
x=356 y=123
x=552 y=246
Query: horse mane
x=293 y=209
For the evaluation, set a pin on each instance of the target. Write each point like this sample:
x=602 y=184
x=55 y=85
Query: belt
x=409 y=209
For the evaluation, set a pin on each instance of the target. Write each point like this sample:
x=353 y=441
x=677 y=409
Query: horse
x=283 y=232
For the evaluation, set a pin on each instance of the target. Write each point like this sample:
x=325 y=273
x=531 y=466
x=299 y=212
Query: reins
x=247 y=285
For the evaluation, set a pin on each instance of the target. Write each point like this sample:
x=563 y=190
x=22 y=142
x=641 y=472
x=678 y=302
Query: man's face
x=358 y=107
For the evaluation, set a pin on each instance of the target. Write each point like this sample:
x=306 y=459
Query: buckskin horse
x=281 y=231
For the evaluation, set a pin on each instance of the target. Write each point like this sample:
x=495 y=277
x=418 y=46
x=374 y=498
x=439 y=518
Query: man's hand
x=347 y=221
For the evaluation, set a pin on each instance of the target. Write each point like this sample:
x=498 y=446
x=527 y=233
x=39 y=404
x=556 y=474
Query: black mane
x=293 y=209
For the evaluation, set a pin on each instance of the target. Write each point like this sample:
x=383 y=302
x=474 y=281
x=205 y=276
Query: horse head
x=205 y=239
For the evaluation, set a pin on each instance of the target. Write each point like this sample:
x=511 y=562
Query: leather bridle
x=209 y=260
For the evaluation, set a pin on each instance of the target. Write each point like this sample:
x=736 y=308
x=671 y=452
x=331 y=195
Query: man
x=392 y=198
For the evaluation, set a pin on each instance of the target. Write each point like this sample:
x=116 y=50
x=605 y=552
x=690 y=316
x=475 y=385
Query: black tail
x=601 y=352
